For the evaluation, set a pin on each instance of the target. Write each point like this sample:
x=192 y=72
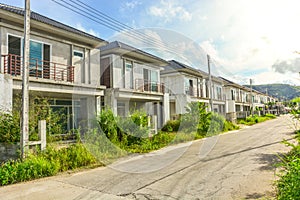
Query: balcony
x=12 y=64
x=149 y=86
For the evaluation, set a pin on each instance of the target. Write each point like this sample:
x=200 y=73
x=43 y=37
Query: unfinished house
x=186 y=84
x=64 y=64
x=132 y=79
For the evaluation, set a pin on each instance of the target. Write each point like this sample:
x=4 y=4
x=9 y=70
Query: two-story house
x=64 y=64
x=187 y=84
x=132 y=79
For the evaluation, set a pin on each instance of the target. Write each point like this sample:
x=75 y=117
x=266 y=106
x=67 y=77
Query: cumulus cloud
x=168 y=10
x=285 y=66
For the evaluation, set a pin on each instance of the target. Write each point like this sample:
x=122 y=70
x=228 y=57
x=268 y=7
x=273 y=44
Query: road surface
x=235 y=165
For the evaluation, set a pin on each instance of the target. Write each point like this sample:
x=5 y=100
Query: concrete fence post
x=42 y=134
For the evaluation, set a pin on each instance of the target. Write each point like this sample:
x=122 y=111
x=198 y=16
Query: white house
x=132 y=79
x=64 y=64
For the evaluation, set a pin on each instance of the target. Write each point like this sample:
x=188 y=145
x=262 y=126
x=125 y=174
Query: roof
x=125 y=49
x=178 y=66
x=40 y=18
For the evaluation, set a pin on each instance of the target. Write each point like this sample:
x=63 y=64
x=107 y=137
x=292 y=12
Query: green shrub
x=171 y=126
x=288 y=186
x=229 y=126
x=9 y=128
x=47 y=163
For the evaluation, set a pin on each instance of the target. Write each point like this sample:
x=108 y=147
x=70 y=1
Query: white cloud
x=90 y=31
x=130 y=5
x=168 y=10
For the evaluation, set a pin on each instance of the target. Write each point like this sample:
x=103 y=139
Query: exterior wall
x=174 y=83
x=62 y=53
x=119 y=79
x=6 y=93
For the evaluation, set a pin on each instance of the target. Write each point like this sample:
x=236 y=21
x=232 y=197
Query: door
x=128 y=75
x=78 y=63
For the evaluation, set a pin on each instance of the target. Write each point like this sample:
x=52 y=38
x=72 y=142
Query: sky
x=245 y=39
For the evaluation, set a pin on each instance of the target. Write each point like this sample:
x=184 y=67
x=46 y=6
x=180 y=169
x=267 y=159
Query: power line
x=99 y=17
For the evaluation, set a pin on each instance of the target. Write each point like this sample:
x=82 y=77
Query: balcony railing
x=149 y=86
x=12 y=64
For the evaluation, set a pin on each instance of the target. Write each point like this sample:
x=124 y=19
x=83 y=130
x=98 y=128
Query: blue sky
x=245 y=38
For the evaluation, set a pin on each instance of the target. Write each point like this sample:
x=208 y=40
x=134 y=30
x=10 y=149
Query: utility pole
x=252 y=109
x=25 y=83
x=210 y=84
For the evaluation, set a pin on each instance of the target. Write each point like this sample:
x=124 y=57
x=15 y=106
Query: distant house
x=187 y=84
x=132 y=79
x=64 y=64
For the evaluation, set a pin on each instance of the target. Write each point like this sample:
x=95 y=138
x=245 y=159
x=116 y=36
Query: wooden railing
x=149 y=86
x=12 y=64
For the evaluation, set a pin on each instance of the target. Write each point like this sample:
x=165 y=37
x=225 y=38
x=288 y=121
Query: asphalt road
x=235 y=165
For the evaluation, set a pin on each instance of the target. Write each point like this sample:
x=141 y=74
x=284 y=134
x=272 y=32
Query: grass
x=256 y=119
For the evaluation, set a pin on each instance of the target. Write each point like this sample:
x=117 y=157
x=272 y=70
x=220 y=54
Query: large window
x=219 y=93
x=150 y=80
x=39 y=56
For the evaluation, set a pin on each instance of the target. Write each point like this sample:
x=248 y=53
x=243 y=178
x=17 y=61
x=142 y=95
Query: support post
x=42 y=134
x=25 y=82
x=210 y=84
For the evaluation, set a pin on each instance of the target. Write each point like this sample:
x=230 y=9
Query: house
x=240 y=99
x=132 y=79
x=64 y=64
x=187 y=84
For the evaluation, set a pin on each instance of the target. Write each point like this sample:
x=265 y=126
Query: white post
x=25 y=82
x=42 y=134
x=210 y=84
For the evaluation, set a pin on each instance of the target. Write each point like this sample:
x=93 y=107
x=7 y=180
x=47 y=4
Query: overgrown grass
x=256 y=119
x=47 y=163
x=288 y=186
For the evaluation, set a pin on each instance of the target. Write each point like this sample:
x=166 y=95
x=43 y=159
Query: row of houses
x=82 y=73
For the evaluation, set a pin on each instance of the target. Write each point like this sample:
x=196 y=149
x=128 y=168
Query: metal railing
x=12 y=64
x=149 y=86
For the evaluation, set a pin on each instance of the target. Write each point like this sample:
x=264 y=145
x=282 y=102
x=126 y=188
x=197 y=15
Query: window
x=232 y=94
x=39 y=55
x=219 y=93
x=150 y=80
x=128 y=74
x=78 y=54
x=14 y=48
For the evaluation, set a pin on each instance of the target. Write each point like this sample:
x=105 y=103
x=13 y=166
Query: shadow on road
x=269 y=161
x=245 y=150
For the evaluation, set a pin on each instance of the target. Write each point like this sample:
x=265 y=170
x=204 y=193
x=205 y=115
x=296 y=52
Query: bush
x=171 y=126
x=9 y=128
x=47 y=163
x=288 y=186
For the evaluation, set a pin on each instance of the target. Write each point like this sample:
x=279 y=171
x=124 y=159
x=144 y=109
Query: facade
x=64 y=64
x=240 y=99
x=132 y=79
x=186 y=84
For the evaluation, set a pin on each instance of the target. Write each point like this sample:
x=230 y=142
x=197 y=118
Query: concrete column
x=42 y=133
x=166 y=108
x=110 y=101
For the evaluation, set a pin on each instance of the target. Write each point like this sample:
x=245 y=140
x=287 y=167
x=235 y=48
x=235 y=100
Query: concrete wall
x=174 y=83
x=8 y=151
x=6 y=94
x=62 y=53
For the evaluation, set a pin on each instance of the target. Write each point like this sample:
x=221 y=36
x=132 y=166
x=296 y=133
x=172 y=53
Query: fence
x=12 y=64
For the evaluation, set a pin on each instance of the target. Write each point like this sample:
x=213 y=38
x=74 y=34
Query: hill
x=280 y=91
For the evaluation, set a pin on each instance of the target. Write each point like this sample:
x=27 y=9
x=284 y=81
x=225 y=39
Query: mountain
x=280 y=91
